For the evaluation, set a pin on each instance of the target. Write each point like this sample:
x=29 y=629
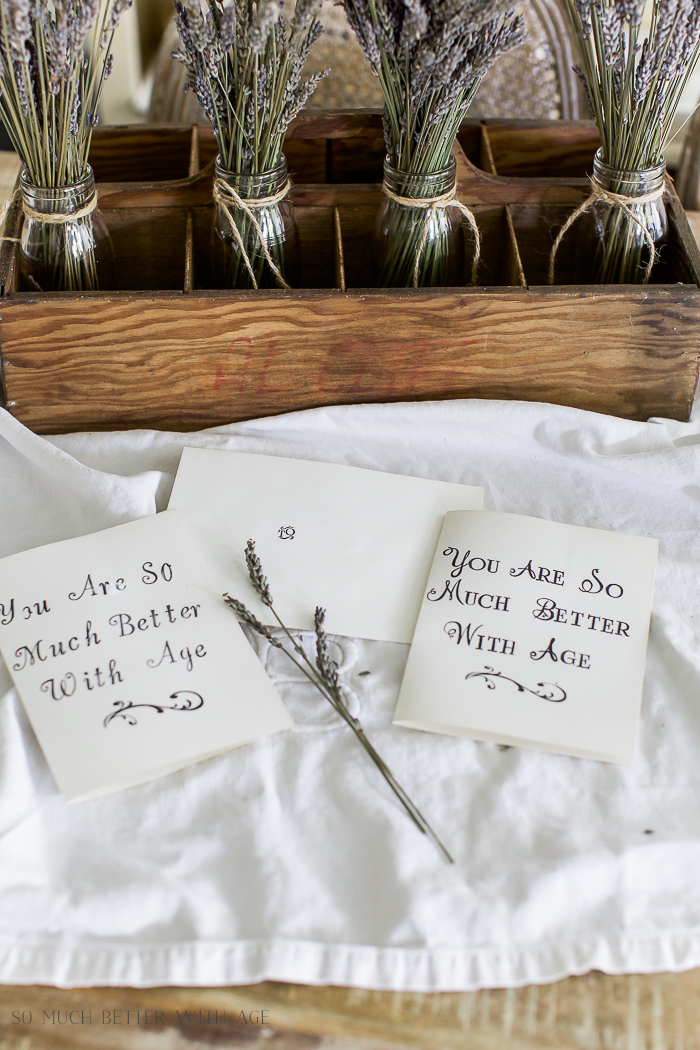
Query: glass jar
x=611 y=245
x=68 y=255
x=404 y=232
x=276 y=236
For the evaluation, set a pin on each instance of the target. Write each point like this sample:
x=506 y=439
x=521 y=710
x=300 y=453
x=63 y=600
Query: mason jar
x=273 y=235
x=59 y=252
x=406 y=233
x=611 y=244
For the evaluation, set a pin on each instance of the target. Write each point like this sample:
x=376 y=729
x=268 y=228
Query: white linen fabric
x=289 y=859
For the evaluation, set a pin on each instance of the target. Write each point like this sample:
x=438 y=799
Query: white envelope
x=357 y=542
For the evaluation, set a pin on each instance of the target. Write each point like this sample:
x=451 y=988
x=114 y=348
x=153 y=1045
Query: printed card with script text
x=126 y=658
x=532 y=633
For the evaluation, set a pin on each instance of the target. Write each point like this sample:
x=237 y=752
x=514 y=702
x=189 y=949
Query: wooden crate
x=165 y=351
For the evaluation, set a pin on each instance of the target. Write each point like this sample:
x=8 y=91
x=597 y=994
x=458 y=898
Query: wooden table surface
x=593 y=1012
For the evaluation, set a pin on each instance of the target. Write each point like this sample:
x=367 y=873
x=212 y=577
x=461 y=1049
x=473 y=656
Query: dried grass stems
x=430 y=57
x=54 y=59
x=324 y=675
x=634 y=86
x=244 y=63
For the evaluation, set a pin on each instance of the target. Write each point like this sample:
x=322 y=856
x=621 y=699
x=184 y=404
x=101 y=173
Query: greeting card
x=532 y=632
x=126 y=658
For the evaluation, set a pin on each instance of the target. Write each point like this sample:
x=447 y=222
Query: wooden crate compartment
x=317 y=236
x=149 y=247
x=538 y=149
x=163 y=350
x=346 y=229
x=337 y=218
x=355 y=153
x=141 y=153
x=535 y=226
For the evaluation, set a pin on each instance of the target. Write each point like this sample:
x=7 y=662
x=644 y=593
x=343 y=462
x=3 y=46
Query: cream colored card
x=127 y=660
x=357 y=542
x=532 y=633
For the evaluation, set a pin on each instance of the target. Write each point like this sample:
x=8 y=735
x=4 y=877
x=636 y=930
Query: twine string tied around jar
x=52 y=218
x=430 y=205
x=617 y=200
x=224 y=195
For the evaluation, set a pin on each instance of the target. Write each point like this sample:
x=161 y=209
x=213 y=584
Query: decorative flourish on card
x=545 y=690
x=191 y=702
x=286 y=532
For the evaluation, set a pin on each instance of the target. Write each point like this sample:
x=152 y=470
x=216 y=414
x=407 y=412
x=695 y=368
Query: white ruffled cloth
x=289 y=859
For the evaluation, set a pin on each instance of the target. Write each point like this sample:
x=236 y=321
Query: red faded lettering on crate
x=240 y=378
x=336 y=362
x=220 y=379
x=252 y=366
x=271 y=356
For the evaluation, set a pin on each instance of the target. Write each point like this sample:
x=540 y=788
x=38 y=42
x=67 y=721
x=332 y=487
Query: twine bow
x=431 y=205
x=224 y=194
x=52 y=218
x=617 y=200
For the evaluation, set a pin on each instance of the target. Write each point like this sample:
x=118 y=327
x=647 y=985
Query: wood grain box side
x=204 y=360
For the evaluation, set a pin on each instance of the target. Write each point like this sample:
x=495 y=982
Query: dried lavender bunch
x=49 y=89
x=634 y=87
x=430 y=57
x=324 y=675
x=244 y=62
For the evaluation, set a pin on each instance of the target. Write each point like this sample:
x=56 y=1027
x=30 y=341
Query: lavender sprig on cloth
x=324 y=675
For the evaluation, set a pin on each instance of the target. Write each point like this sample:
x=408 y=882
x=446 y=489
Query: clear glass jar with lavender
x=65 y=245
